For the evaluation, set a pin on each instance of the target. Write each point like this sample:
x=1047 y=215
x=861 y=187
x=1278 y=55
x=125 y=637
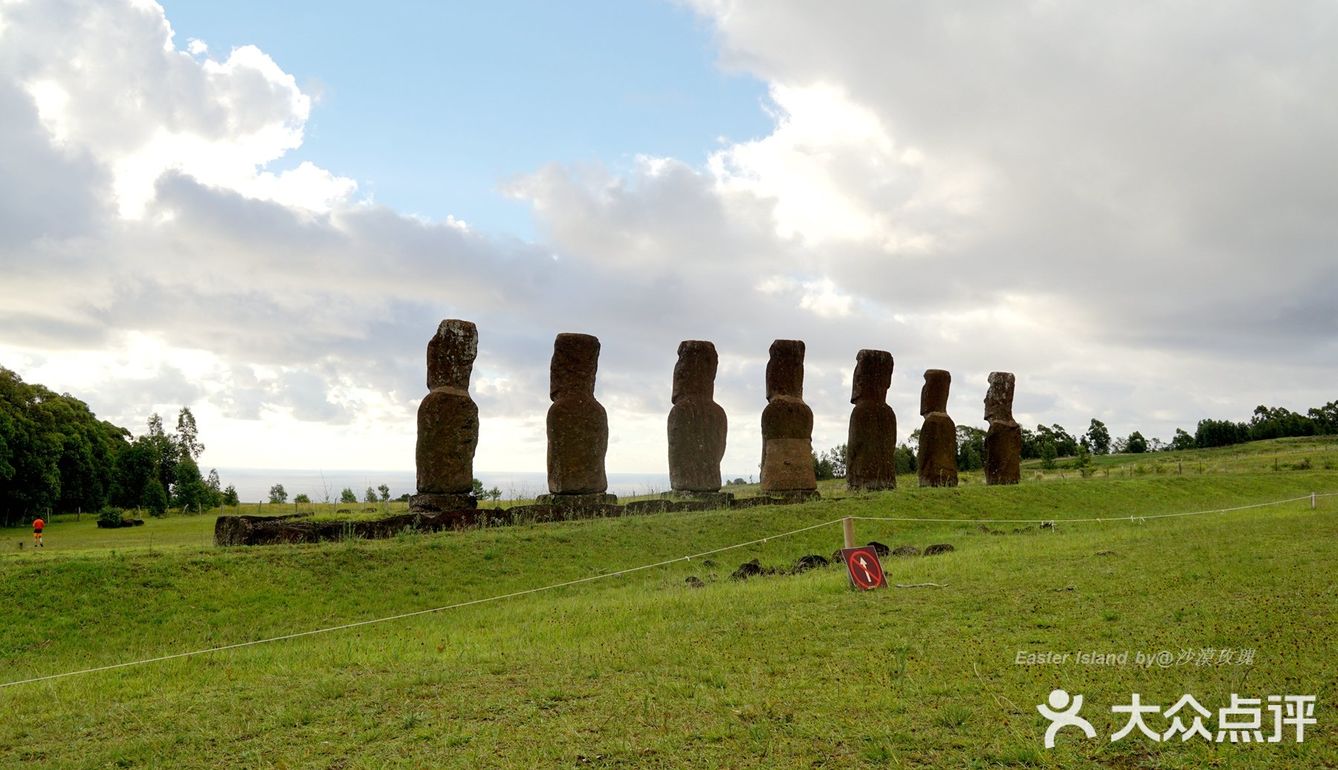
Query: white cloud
x=108 y=82
x=835 y=174
x=1141 y=236
x=820 y=297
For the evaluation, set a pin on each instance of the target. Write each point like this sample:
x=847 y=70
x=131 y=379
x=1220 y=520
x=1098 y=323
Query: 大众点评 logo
x=1243 y=721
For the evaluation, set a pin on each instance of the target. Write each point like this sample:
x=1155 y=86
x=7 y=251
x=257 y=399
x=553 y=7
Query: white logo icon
x=1063 y=712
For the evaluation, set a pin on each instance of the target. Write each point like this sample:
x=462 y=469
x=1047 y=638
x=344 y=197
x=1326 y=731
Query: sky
x=263 y=210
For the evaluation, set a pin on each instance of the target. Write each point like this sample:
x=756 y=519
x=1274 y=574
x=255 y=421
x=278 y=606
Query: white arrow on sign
x=864 y=565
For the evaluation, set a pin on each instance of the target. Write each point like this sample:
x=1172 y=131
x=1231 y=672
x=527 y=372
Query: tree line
x=1048 y=443
x=57 y=456
x=381 y=494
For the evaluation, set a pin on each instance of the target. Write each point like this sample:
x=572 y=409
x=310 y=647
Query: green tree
x=165 y=450
x=384 y=490
x=1048 y=454
x=214 y=485
x=837 y=456
x=1063 y=443
x=87 y=450
x=278 y=495
x=1181 y=440
x=1325 y=418
x=230 y=498
x=190 y=492
x=1082 y=462
x=904 y=458
x=1136 y=444
x=477 y=489
x=1098 y=437
x=348 y=496
x=188 y=435
x=822 y=466
x=1277 y=422
x=370 y=496
x=155 y=497
x=970 y=448
x=54 y=453
x=131 y=472
x=302 y=498
x=1031 y=448
x=1215 y=433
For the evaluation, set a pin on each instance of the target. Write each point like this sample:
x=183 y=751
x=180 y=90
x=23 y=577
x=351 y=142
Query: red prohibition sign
x=866 y=573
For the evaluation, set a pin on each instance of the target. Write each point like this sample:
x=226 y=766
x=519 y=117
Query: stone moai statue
x=578 y=427
x=1003 y=441
x=448 y=422
x=872 y=441
x=697 y=424
x=937 y=458
x=787 y=424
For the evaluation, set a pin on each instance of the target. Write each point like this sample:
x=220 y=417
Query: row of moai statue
x=578 y=428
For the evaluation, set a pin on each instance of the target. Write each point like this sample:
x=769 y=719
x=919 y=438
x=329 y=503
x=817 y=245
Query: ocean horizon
x=253 y=484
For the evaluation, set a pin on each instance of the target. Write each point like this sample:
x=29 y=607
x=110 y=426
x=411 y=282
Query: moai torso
x=787 y=423
x=872 y=441
x=578 y=428
x=1003 y=441
x=936 y=462
x=448 y=419
x=697 y=424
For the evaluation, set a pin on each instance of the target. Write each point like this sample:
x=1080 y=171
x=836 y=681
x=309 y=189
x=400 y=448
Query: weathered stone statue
x=1003 y=441
x=578 y=427
x=872 y=441
x=697 y=424
x=787 y=424
x=448 y=422
x=937 y=458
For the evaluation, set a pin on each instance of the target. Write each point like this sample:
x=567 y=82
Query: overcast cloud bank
x=1132 y=210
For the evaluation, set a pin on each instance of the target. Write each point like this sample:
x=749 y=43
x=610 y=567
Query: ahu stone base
x=578 y=502
x=268 y=530
x=434 y=502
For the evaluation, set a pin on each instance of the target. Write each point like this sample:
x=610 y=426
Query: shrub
x=109 y=518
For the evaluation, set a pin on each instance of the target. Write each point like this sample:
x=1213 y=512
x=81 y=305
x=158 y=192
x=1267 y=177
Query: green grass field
x=642 y=670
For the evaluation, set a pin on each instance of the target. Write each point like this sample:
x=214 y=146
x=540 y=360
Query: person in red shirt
x=38 y=526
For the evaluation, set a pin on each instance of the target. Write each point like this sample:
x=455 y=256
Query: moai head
x=934 y=395
x=999 y=398
x=785 y=370
x=575 y=359
x=451 y=353
x=873 y=376
x=694 y=374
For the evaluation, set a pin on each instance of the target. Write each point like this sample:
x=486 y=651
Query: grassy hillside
x=642 y=670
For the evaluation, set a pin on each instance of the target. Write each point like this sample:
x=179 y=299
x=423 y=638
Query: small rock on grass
x=905 y=550
x=938 y=548
x=749 y=569
x=694 y=582
x=805 y=563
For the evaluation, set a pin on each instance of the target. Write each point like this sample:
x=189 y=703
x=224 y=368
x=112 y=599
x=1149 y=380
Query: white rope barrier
x=628 y=571
x=403 y=615
x=1054 y=520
